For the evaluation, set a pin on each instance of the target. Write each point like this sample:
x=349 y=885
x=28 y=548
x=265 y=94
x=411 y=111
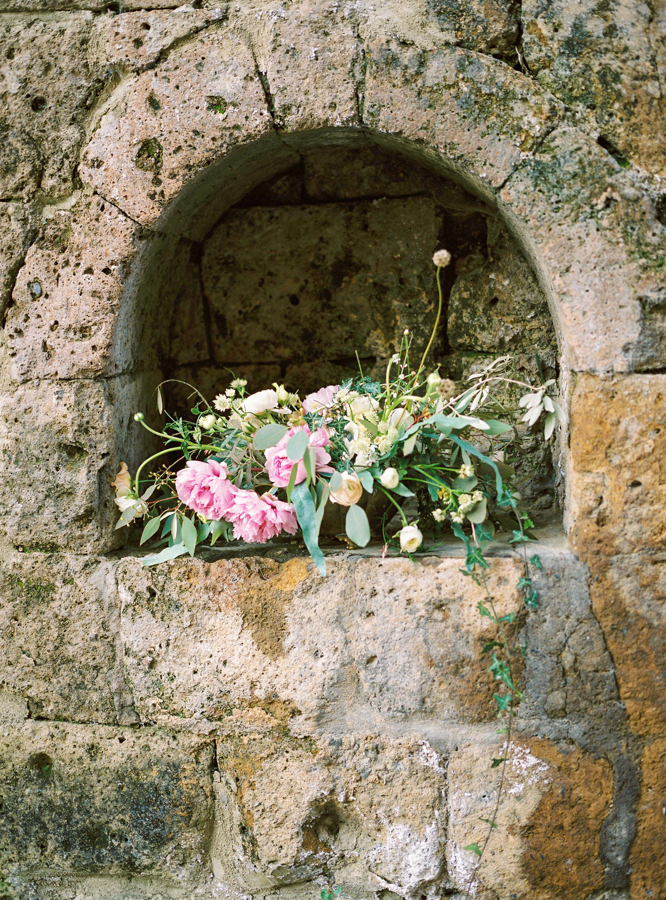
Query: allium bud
x=441 y=258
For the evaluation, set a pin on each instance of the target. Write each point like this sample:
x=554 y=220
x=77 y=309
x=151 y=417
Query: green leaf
x=497 y=427
x=371 y=427
x=306 y=514
x=216 y=529
x=496 y=762
x=148 y=493
x=464 y=484
x=536 y=562
x=357 y=526
x=166 y=528
x=336 y=481
x=126 y=517
x=203 y=530
x=457 y=422
x=297 y=445
x=166 y=554
x=269 y=436
x=488 y=822
x=401 y=490
x=322 y=503
x=465 y=446
x=485 y=612
x=366 y=479
x=293 y=475
x=152 y=525
x=310 y=463
x=478 y=512
x=474 y=848
x=189 y=533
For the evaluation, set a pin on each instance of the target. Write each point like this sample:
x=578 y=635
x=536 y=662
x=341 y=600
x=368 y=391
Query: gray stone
x=17 y=228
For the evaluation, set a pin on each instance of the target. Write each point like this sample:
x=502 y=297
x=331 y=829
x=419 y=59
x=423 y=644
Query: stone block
x=486 y=26
x=618 y=465
x=344 y=173
x=17 y=229
x=371 y=807
x=101 y=800
x=475 y=110
x=164 y=125
x=629 y=599
x=47 y=88
x=311 y=80
x=596 y=245
x=66 y=299
x=603 y=62
x=385 y=641
x=648 y=866
x=547 y=840
x=355 y=277
x=496 y=304
x=61 y=444
x=57 y=638
x=136 y=40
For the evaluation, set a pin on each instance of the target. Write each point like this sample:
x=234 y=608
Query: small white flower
x=239 y=383
x=260 y=402
x=390 y=477
x=221 y=403
x=434 y=379
x=283 y=394
x=477 y=496
x=457 y=518
x=441 y=258
x=466 y=471
x=439 y=515
x=207 y=422
x=230 y=391
x=410 y=539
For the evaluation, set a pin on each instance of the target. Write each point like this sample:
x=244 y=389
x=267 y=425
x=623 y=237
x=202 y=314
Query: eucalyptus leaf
x=189 y=533
x=148 y=493
x=269 y=436
x=126 y=517
x=336 y=481
x=306 y=514
x=297 y=445
x=401 y=490
x=469 y=449
x=497 y=427
x=357 y=526
x=366 y=479
x=310 y=463
x=322 y=503
x=478 y=513
x=152 y=525
x=464 y=484
x=216 y=529
x=165 y=555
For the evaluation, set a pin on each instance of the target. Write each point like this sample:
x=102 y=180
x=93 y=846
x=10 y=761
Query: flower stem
x=435 y=326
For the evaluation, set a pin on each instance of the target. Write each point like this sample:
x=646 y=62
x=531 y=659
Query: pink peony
x=323 y=399
x=257 y=519
x=204 y=487
x=279 y=465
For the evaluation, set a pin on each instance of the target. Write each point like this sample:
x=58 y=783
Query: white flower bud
x=207 y=422
x=410 y=539
x=441 y=258
x=434 y=379
x=390 y=478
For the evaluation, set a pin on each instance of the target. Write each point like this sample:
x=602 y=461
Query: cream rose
x=123 y=481
x=260 y=402
x=410 y=539
x=349 y=491
x=390 y=478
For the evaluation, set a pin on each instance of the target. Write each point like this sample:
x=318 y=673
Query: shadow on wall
x=289 y=262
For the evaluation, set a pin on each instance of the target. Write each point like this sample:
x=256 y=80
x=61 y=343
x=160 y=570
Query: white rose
x=207 y=422
x=363 y=407
x=390 y=478
x=410 y=539
x=400 y=418
x=260 y=402
x=349 y=491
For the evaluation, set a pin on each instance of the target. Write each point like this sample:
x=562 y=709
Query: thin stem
x=150 y=459
x=396 y=504
x=435 y=326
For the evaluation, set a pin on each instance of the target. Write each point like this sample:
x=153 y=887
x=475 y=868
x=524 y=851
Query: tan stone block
x=62 y=320
x=629 y=600
x=547 y=840
x=354 y=278
x=597 y=248
x=310 y=59
x=647 y=861
x=57 y=641
x=61 y=444
x=135 y=40
x=603 y=62
x=47 y=87
x=473 y=109
x=21 y=164
x=387 y=639
x=100 y=800
x=210 y=100
x=618 y=465
x=369 y=806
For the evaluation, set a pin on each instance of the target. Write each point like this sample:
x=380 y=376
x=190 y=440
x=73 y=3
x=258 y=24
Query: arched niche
x=284 y=260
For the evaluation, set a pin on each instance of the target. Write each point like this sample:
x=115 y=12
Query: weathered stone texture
x=618 y=465
x=487 y=26
x=80 y=799
x=648 y=877
x=17 y=227
x=603 y=60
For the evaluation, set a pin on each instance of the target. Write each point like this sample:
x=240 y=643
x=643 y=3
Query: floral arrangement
x=251 y=467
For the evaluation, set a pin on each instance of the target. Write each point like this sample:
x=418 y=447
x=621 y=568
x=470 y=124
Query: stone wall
x=236 y=726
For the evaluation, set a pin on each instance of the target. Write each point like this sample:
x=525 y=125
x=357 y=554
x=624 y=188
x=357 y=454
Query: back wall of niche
x=334 y=257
